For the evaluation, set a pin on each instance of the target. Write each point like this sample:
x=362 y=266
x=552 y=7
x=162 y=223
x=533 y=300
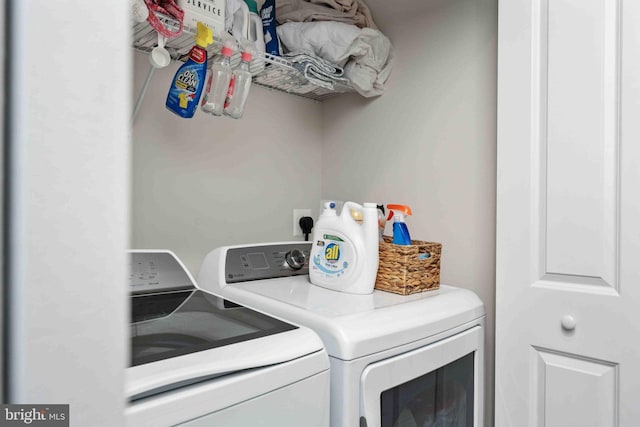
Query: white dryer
x=396 y=360
x=200 y=360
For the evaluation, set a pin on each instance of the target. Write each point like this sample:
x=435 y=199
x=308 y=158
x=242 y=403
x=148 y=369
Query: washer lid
x=353 y=326
x=300 y=347
x=183 y=337
x=171 y=324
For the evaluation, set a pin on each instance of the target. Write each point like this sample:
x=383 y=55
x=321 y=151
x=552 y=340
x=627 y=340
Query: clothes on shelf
x=366 y=54
x=317 y=70
x=354 y=12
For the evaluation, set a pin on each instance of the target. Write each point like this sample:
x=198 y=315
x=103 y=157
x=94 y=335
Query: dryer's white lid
x=353 y=326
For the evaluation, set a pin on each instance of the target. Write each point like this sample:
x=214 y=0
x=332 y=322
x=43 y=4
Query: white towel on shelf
x=365 y=53
x=317 y=70
x=371 y=62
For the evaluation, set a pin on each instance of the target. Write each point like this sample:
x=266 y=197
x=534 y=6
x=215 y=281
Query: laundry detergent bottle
x=344 y=253
x=400 y=231
x=184 y=95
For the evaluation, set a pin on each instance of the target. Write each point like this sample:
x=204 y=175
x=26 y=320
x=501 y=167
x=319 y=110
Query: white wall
x=430 y=141
x=205 y=182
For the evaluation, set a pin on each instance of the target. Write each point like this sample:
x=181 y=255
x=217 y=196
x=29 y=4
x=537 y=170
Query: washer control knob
x=568 y=322
x=295 y=259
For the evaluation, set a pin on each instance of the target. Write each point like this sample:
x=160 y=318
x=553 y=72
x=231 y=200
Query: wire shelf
x=269 y=71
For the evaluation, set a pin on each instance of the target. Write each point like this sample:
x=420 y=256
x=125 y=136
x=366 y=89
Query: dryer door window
x=439 y=385
x=442 y=398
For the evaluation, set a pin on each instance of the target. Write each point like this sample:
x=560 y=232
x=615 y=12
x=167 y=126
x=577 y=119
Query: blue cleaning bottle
x=400 y=231
x=184 y=95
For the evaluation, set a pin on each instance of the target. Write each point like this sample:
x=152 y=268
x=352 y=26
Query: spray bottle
x=187 y=85
x=344 y=253
x=400 y=231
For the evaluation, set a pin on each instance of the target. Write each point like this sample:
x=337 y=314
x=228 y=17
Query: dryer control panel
x=267 y=262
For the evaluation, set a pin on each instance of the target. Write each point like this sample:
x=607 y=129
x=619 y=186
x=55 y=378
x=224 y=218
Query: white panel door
x=568 y=214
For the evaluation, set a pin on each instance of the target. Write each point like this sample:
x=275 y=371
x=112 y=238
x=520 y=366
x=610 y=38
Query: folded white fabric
x=365 y=53
x=317 y=70
x=371 y=62
x=326 y=39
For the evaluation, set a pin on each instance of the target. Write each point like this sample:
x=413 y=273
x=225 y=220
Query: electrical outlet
x=297 y=214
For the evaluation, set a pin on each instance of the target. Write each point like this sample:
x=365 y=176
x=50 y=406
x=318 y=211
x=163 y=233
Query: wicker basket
x=409 y=269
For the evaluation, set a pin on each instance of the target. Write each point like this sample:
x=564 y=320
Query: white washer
x=199 y=360
x=396 y=360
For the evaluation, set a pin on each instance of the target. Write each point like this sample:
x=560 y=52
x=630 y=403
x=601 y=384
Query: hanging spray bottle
x=184 y=95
